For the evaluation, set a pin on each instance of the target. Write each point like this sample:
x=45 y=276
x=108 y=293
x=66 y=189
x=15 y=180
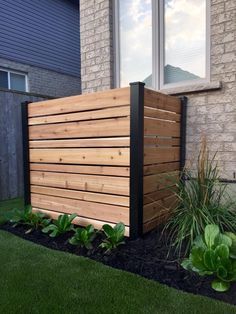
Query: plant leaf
x=210 y=235
x=220 y=286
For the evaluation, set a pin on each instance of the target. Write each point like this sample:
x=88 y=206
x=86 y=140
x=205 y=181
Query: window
x=164 y=43
x=13 y=80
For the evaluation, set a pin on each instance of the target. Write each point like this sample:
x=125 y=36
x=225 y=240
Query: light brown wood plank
x=104 y=99
x=90 y=183
x=82 y=195
x=161 y=168
x=157 y=209
x=161 y=141
x=161 y=101
x=94 y=170
x=161 y=114
x=158 y=195
x=93 y=128
x=154 y=155
x=85 y=209
x=76 y=143
x=79 y=220
x=159 y=221
x=87 y=156
x=156 y=182
x=161 y=127
x=84 y=115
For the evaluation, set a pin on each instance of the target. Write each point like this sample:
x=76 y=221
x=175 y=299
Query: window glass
x=3 y=79
x=184 y=40
x=18 y=82
x=135 y=30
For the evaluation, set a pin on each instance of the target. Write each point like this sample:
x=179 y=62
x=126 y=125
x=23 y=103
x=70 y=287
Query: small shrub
x=60 y=226
x=114 y=236
x=34 y=220
x=214 y=253
x=83 y=237
x=202 y=200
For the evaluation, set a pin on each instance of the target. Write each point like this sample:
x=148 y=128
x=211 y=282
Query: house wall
x=42 y=38
x=211 y=107
x=44 y=81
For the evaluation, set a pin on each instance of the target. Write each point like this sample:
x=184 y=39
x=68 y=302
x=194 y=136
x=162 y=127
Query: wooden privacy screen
x=100 y=155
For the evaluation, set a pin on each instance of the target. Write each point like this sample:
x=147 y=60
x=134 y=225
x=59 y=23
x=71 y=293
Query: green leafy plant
x=114 y=236
x=214 y=254
x=62 y=225
x=202 y=199
x=83 y=237
x=34 y=220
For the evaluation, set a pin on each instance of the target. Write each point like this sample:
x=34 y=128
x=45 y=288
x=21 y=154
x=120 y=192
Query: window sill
x=193 y=88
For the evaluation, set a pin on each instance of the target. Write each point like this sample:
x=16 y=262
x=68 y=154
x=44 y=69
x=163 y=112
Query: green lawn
x=35 y=279
x=6 y=206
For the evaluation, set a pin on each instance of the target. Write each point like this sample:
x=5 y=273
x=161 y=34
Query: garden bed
x=145 y=256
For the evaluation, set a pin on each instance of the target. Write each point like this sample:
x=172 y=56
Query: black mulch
x=145 y=256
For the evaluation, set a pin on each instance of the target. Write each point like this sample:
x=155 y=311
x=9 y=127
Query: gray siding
x=42 y=33
x=11 y=161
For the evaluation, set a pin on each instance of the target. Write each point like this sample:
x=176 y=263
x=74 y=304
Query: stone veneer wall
x=212 y=112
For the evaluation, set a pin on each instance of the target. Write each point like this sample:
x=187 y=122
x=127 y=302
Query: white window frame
x=158 y=53
x=16 y=72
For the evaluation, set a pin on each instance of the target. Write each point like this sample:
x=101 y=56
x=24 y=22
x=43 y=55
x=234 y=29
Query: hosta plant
x=214 y=254
x=114 y=236
x=34 y=220
x=83 y=237
x=60 y=226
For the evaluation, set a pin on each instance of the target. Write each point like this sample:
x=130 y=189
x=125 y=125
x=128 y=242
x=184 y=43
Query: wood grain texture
x=82 y=195
x=94 y=101
x=154 y=155
x=161 y=101
x=85 y=209
x=161 y=141
x=161 y=114
x=92 y=183
x=81 y=116
x=87 y=156
x=84 y=129
x=159 y=208
x=161 y=168
x=85 y=169
x=158 y=195
x=156 y=182
x=80 y=143
x=79 y=220
x=161 y=127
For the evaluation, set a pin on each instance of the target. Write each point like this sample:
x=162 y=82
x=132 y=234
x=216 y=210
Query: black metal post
x=183 y=122
x=136 y=158
x=25 y=149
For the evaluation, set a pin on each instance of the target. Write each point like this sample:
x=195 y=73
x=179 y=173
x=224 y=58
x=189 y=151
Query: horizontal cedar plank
x=161 y=141
x=87 y=209
x=154 y=155
x=82 y=195
x=156 y=182
x=88 y=156
x=161 y=114
x=80 y=116
x=156 y=209
x=161 y=101
x=99 y=184
x=79 y=220
x=160 y=168
x=94 y=128
x=161 y=127
x=160 y=220
x=76 y=143
x=95 y=170
x=158 y=195
x=104 y=99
